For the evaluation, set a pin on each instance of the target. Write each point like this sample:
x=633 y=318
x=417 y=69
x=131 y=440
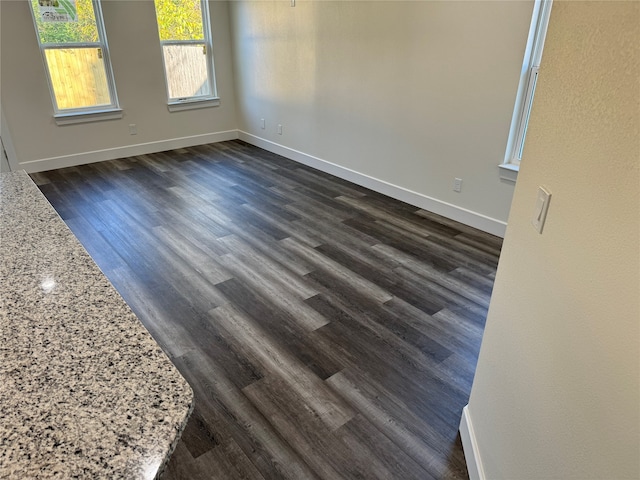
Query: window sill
x=86 y=117
x=193 y=104
x=509 y=172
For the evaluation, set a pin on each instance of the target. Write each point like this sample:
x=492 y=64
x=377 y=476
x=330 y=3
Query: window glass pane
x=78 y=77
x=533 y=79
x=179 y=19
x=82 y=30
x=186 y=67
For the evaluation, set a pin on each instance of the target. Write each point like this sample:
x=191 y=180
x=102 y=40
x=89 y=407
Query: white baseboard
x=124 y=151
x=459 y=214
x=470 y=446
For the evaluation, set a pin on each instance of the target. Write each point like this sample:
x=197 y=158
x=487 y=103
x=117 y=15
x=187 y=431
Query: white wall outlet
x=279 y=129
x=457 y=184
x=541 y=208
x=133 y=130
x=263 y=124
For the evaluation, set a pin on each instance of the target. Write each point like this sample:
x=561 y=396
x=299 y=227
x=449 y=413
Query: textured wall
x=556 y=392
x=137 y=64
x=411 y=93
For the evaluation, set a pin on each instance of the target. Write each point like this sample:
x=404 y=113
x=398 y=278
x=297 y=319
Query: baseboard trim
x=459 y=214
x=470 y=446
x=454 y=212
x=72 y=160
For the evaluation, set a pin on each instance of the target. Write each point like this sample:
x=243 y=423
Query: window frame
x=200 y=101
x=526 y=89
x=67 y=116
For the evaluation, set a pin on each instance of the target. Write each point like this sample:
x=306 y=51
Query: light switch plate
x=540 y=211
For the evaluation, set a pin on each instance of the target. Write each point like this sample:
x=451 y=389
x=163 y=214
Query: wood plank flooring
x=328 y=332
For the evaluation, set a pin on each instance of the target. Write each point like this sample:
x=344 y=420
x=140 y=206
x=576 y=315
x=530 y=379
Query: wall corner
x=470 y=446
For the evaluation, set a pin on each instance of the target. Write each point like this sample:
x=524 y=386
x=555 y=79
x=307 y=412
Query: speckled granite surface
x=85 y=392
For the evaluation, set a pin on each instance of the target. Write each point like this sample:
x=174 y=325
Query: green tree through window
x=179 y=19
x=185 y=39
x=82 y=31
x=76 y=59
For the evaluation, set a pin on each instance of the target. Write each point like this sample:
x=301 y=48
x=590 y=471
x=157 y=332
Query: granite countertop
x=85 y=391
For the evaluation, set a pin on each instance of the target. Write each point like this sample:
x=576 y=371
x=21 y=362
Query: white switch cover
x=279 y=129
x=540 y=212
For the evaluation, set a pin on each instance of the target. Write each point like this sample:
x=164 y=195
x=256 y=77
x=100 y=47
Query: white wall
x=410 y=93
x=4 y=162
x=40 y=144
x=399 y=96
x=556 y=391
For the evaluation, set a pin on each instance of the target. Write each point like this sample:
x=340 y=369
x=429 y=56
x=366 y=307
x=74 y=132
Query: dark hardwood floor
x=327 y=331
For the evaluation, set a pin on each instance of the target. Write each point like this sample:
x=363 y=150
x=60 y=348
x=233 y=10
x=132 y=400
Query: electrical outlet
x=457 y=184
x=279 y=129
x=133 y=130
x=263 y=124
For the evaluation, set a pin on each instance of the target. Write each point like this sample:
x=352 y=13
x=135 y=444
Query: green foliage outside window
x=179 y=19
x=84 y=30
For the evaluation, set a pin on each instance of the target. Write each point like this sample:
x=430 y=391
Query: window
x=185 y=39
x=76 y=56
x=527 y=88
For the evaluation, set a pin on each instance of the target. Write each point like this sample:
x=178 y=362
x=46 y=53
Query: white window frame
x=68 y=116
x=200 y=101
x=526 y=89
